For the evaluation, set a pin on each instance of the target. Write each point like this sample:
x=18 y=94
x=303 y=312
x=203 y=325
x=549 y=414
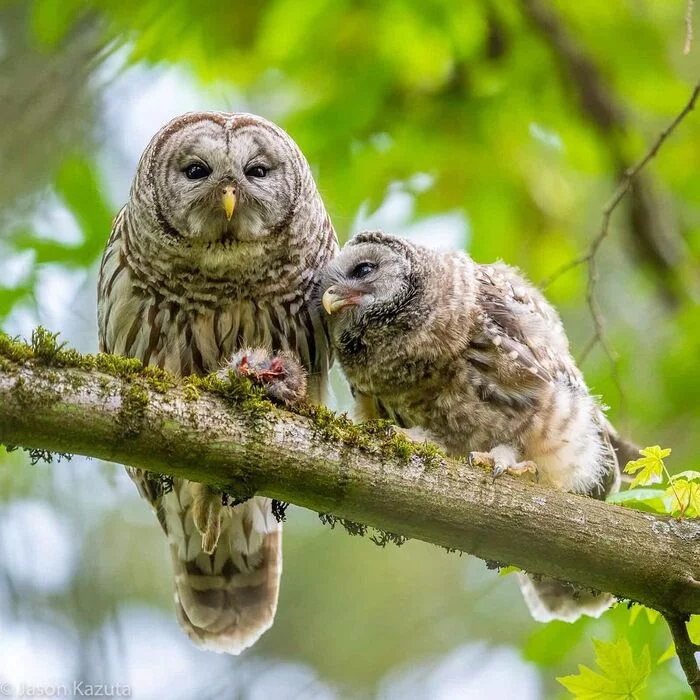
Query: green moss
x=380 y=537
x=13 y=350
x=45 y=349
x=132 y=410
x=189 y=390
x=382 y=434
x=239 y=391
x=377 y=437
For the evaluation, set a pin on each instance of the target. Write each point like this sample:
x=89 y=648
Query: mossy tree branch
x=225 y=434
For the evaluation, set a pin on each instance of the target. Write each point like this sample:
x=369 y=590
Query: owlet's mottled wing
x=476 y=358
x=528 y=345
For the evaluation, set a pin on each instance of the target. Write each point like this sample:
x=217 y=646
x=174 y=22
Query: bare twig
x=590 y=257
x=621 y=191
x=651 y=225
x=688 y=27
x=686 y=650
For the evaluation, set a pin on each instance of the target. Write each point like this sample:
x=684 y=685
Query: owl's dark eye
x=362 y=270
x=197 y=171
x=256 y=171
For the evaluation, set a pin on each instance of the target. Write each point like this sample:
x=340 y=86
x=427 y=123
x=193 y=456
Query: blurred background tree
x=498 y=127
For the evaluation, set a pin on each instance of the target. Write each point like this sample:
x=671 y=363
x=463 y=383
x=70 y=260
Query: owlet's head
x=376 y=282
x=211 y=179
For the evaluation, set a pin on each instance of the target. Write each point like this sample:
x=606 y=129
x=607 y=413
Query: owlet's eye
x=256 y=171
x=197 y=171
x=362 y=270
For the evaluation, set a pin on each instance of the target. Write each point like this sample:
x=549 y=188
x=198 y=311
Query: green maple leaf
x=652 y=615
x=620 y=677
x=686 y=497
x=650 y=467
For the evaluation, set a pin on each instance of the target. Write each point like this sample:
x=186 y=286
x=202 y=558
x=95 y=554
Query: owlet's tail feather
x=548 y=599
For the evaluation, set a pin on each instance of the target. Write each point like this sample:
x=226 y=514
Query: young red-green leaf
x=621 y=678
x=686 y=497
x=650 y=467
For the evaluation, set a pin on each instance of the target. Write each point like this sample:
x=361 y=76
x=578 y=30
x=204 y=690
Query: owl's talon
x=207 y=511
x=500 y=466
x=281 y=374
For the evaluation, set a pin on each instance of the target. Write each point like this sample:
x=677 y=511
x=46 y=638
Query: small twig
x=590 y=257
x=688 y=27
x=622 y=190
x=685 y=649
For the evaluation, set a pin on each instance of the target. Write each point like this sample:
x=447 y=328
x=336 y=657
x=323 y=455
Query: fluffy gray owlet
x=217 y=250
x=474 y=356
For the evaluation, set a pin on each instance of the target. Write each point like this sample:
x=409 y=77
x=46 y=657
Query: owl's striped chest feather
x=138 y=321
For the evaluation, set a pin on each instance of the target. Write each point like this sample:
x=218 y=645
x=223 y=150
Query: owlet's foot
x=502 y=460
x=280 y=374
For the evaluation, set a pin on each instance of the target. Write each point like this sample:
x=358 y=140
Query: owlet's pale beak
x=334 y=300
x=228 y=199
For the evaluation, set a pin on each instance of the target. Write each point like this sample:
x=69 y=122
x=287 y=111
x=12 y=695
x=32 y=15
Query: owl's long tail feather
x=227 y=599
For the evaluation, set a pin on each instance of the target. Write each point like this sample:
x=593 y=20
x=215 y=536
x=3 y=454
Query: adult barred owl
x=474 y=356
x=218 y=249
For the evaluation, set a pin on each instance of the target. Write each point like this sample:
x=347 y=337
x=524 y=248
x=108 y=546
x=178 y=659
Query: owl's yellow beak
x=229 y=201
x=333 y=300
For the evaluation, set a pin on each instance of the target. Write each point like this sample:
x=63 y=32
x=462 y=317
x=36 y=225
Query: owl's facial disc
x=364 y=278
x=222 y=188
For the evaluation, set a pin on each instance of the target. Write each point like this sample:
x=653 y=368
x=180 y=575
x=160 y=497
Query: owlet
x=474 y=356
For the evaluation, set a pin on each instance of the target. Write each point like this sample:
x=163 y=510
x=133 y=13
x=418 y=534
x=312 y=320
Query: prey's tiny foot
x=517 y=469
x=280 y=374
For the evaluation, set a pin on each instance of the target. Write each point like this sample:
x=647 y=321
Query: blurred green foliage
x=481 y=100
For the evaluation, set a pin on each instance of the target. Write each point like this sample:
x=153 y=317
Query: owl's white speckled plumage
x=201 y=263
x=474 y=355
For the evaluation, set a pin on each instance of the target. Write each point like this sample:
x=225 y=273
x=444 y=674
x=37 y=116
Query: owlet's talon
x=499 y=469
x=481 y=459
x=280 y=374
x=516 y=469
x=500 y=465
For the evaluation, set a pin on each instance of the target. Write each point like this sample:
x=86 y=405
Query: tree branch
x=686 y=650
x=112 y=409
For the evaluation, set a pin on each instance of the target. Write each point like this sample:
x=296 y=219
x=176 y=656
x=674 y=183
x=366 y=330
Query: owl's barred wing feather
x=183 y=287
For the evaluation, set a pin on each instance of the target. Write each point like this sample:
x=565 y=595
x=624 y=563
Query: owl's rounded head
x=215 y=177
x=373 y=282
